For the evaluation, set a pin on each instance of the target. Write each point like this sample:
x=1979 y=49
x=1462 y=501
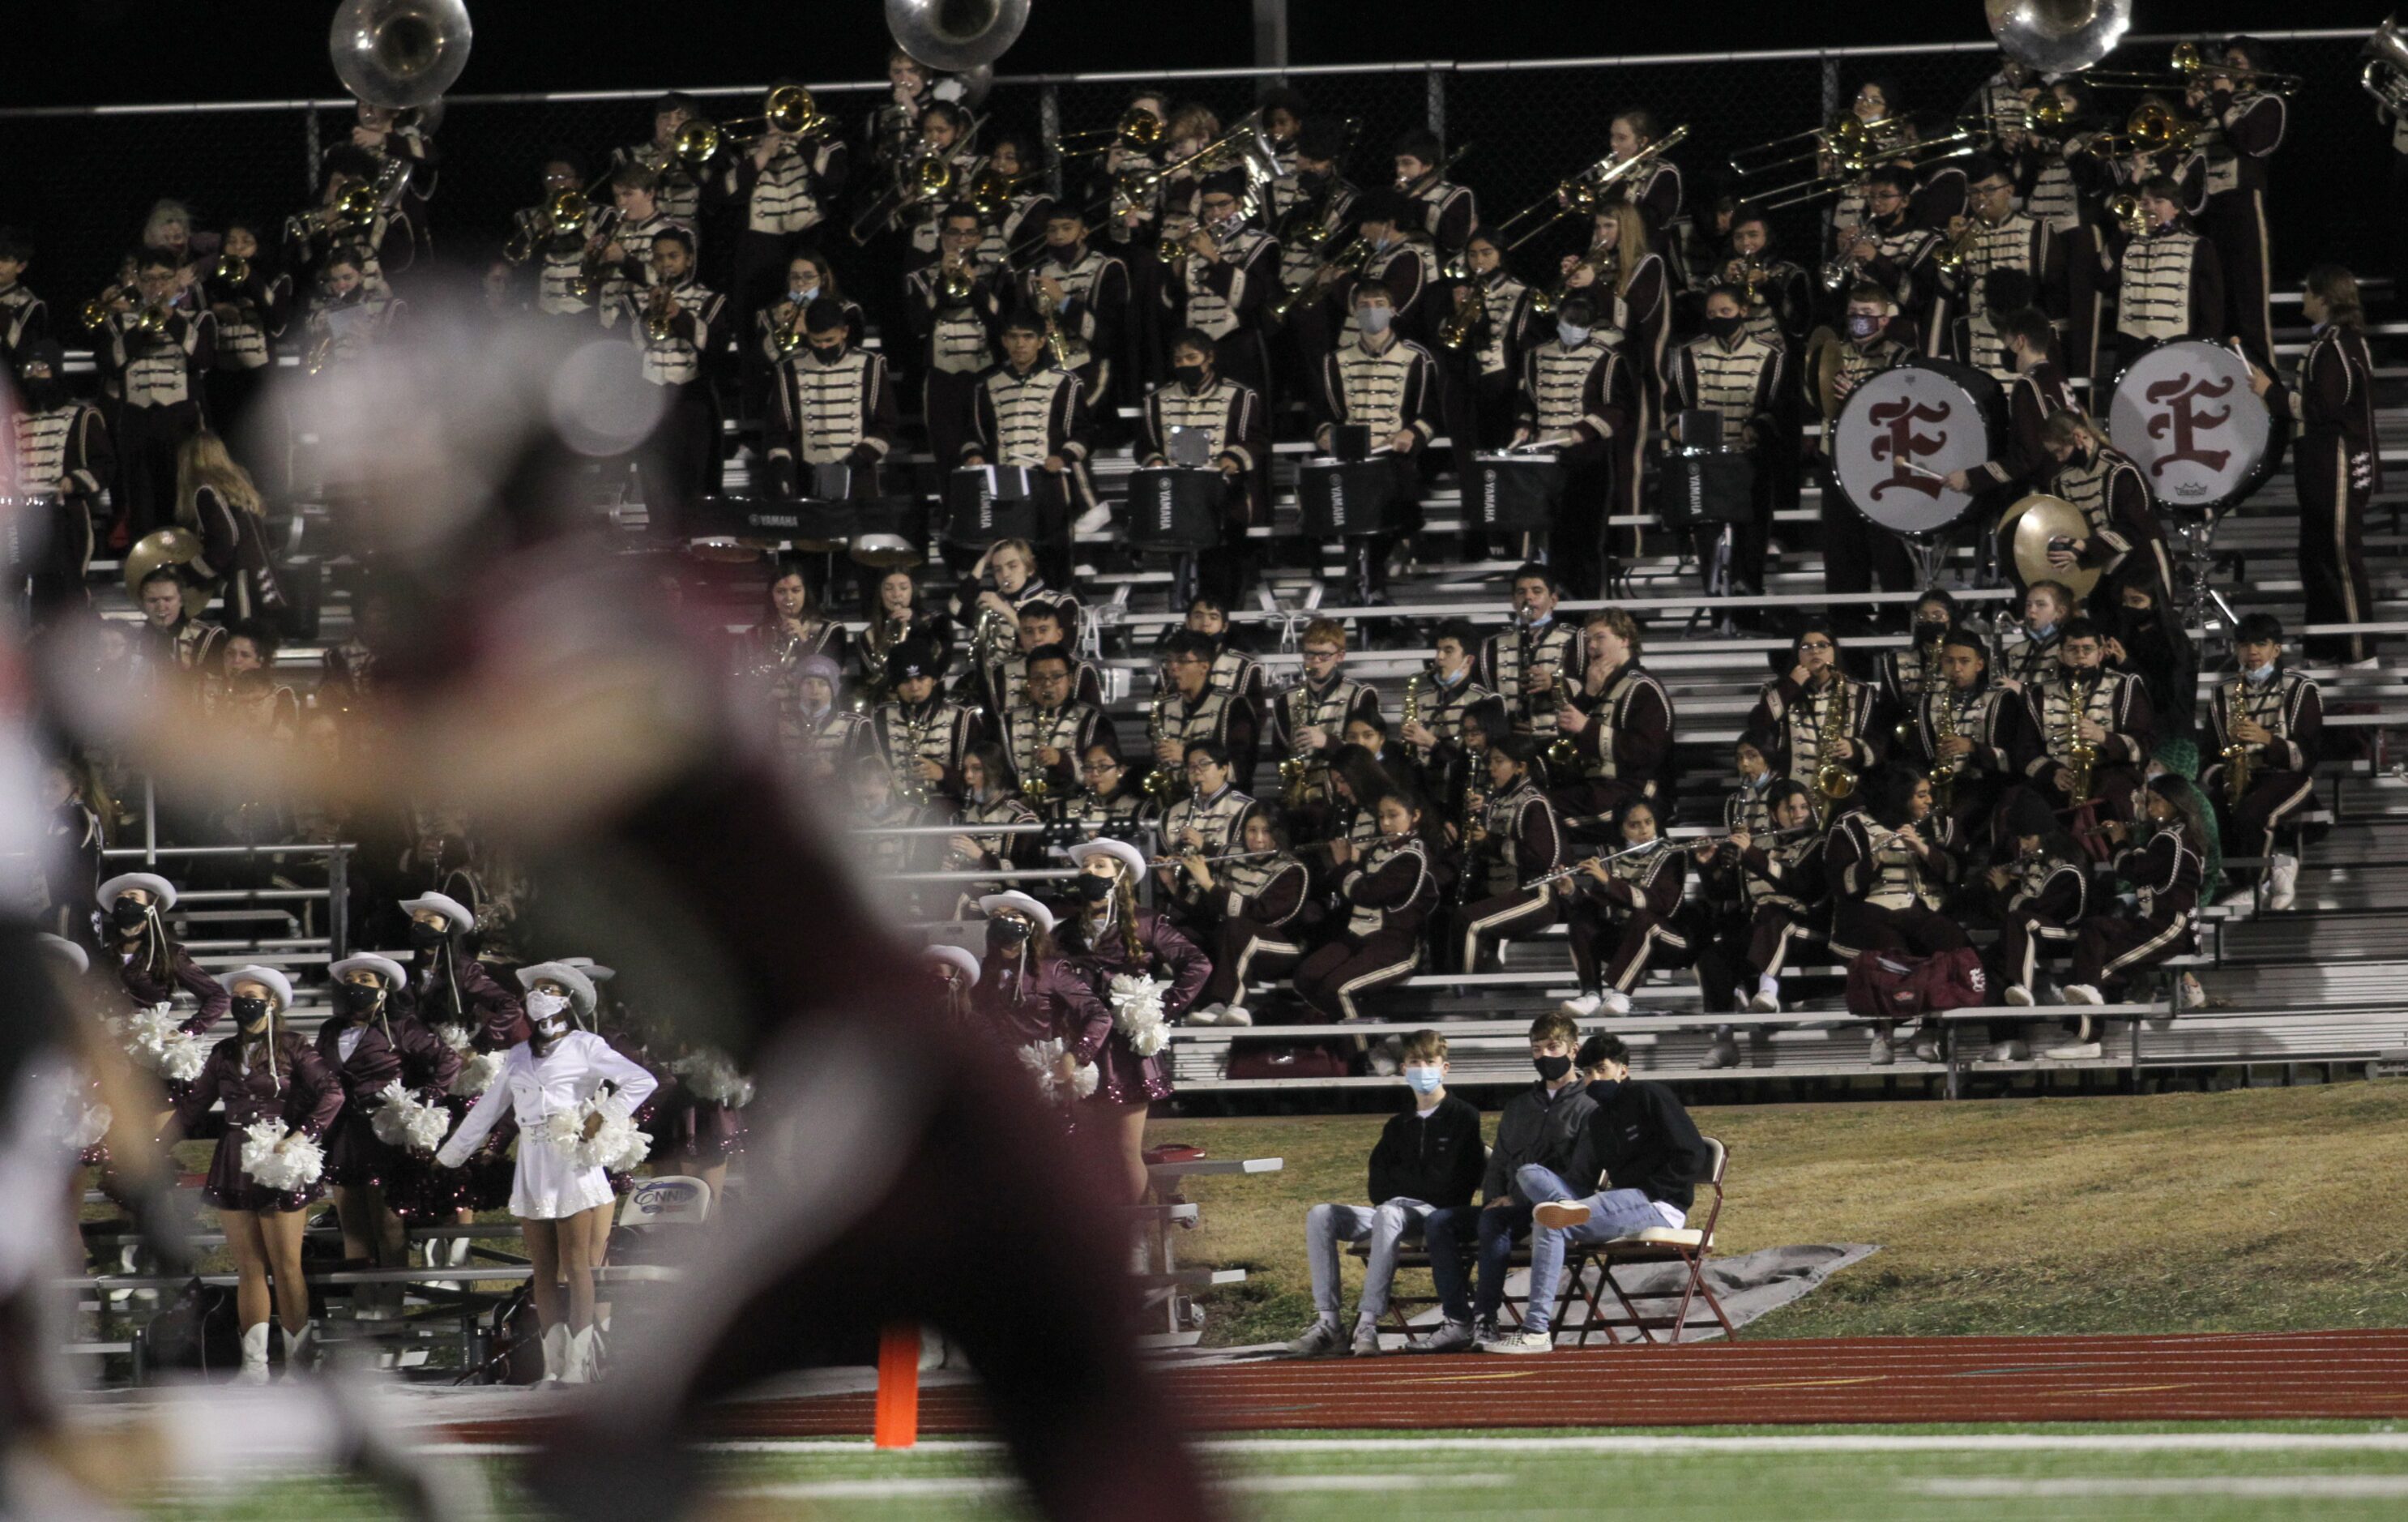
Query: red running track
x=1871 y=1380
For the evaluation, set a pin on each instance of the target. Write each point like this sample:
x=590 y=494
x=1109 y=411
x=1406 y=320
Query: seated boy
x=1542 y=1125
x=1426 y=1164
x=1648 y=1152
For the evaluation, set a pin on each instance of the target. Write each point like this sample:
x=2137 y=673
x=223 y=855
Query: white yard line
x=967 y=1485
x=2254 y=1487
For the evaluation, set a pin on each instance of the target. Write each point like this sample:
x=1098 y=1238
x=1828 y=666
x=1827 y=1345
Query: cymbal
x=2036 y=521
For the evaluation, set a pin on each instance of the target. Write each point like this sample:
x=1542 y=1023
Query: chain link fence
x=1526 y=125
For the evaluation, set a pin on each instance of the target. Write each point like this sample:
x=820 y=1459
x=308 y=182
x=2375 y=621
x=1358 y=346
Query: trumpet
x=1545 y=302
x=2127 y=211
x=93 y=314
x=231 y=269
x=656 y=315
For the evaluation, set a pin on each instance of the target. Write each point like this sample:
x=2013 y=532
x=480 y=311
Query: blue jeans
x=1387 y=1225
x=1497 y=1229
x=1615 y=1213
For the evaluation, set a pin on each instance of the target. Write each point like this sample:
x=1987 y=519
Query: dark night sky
x=138 y=49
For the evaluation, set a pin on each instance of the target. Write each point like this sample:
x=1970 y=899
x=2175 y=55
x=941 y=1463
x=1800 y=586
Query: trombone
x=1585 y=192
x=1847 y=137
x=1909 y=156
x=787 y=111
x=1137 y=128
x=2151 y=128
x=2189 y=67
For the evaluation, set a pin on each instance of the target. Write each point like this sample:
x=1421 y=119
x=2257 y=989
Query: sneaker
x=1483 y=1331
x=1320 y=1340
x=1235 y=1015
x=1387 y=1058
x=2007 y=1052
x=2282 y=882
x=1094 y=520
x=1209 y=1015
x=1722 y=1054
x=2192 y=994
x=1522 y=1342
x=1562 y=1214
x=1882 y=1052
x=2083 y=993
x=1366 y=1340
x=1761 y=1002
x=2073 y=1052
x=2238 y=898
x=1927 y=1049
x=1451 y=1337
x=2019 y=996
x=1581 y=1008
x=1615 y=1001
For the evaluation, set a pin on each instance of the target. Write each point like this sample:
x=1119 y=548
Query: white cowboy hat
x=383 y=966
x=1120 y=850
x=162 y=892
x=579 y=987
x=444 y=904
x=993 y=903
x=959 y=957
x=270 y=978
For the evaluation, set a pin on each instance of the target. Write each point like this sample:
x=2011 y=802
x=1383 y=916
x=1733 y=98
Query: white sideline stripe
x=930 y=1489
x=1640 y=1443
x=2257 y=1486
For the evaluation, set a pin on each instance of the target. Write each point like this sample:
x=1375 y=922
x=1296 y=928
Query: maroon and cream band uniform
x=2169 y=284
x=1409 y=267
x=1659 y=191
x=1798 y=718
x=1239 y=674
x=1886 y=895
x=1124 y=815
x=1391 y=390
x=819 y=744
x=680 y=463
x=938 y=730
x=234 y=550
x=678 y=195
x=841 y=414
x=2029 y=659
x=1589 y=402
x=924 y=215
x=62 y=453
x=1485 y=378
x=558 y=269
x=1094 y=316
x=2111 y=699
x=2166 y=872
x=1224 y=298
x=1330 y=707
x=2114 y=499
x=1779 y=313
x=1855 y=554
x=2046 y=897
x=24 y=318
x=1225 y=718
x=1027 y=729
x=1772 y=896
x=1308 y=229
x=2338 y=471
x=1260 y=906
x=1220 y=822
x=1020 y=418
x=157 y=384
x=1524 y=843
x=632 y=275
x=1643 y=315
x=1021 y=220
x=999 y=684
x=1445 y=213
x=1508 y=659
x=2241 y=131
x=1441 y=707
x=998 y=849
x=306 y=248
x=1743 y=381
x=1621 y=926
x=2282 y=770
x=1998 y=724
x=782 y=202
x=340 y=331
x=2020 y=241
x=183 y=654
x=1238 y=426
x=956 y=343
x=1626 y=749
x=252 y=317
x=1902 y=265
x=2033 y=397
x=1388 y=894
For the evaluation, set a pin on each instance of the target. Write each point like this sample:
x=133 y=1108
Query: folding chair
x=1689 y=1246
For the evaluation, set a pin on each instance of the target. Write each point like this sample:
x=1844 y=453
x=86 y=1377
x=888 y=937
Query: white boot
x=584 y=1350
x=1768 y=996
x=556 y=1351
x=2282 y=881
x=254 y=1355
x=301 y=1351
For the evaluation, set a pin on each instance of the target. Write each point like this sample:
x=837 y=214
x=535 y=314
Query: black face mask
x=41 y=395
x=426 y=937
x=356 y=998
x=1095 y=889
x=1189 y=376
x=1551 y=1069
x=828 y=355
x=1927 y=632
x=1603 y=1090
x=249 y=1013
x=1723 y=327
x=128 y=915
x=1007 y=934
x=1311 y=180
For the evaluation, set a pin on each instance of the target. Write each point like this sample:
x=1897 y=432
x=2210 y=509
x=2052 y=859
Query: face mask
x=1603 y=1090
x=250 y=1013
x=1006 y=935
x=2045 y=631
x=2261 y=676
x=805 y=297
x=128 y=915
x=1191 y=377
x=828 y=355
x=1723 y=327
x=357 y=998
x=426 y=937
x=1425 y=1079
x=1863 y=324
x=41 y=395
x=544 y=1007
x=1572 y=334
x=1375 y=319
x=1927 y=632
x=1095 y=889
x=1551 y=1069
x=1311 y=180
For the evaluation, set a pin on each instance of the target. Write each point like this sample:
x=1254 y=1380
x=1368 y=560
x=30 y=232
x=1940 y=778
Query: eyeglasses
x=1993 y=188
x=1817 y=644
x=1323 y=655
x=1091 y=768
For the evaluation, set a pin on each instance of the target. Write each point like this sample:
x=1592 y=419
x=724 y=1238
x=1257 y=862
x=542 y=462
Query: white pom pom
x=616 y=1146
x=183 y=1058
x=146 y=1035
x=1136 y=1013
x=477 y=1074
x=402 y=1119
x=1084 y=1081
x=712 y=1076
x=1043 y=1059
x=88 y=1126
x=562 y=1130
x=425 y=1128
x=280 y=1159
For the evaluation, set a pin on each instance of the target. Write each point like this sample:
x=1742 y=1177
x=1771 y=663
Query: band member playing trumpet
x=1620 y=721
x=1236 y=427
x=1768 y=884
x=2096 y=728
x=831 y=404
x=1993 y=236
x=1819 y=719
x=2267 y=729
x=2036 y=392
x=1894 y=251
x=1773 y=289
x=1260 y=902
x=624 y=253
x=1508 y=851
x=1083 y=293
x=681 y=327
x=1223 y=279
x=1624 y=907
x=2335 y=463
x=1442 y=211
x=1581 y=398
x=1740 y=378
x=2169 y=280
x=1026 y=413
x=2244 y=125
x=155 y=356
x=2114 y=499
x=955 y=306
x=1890 y=864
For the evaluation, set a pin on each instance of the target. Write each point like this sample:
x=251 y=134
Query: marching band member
x=1894 y=251
x=815 y=733
x=1029 y=414
x=265 y=1072
x=312 y=237
x=1047 y=730
x=1233 y=670
x=1739 y=378
x=681 y=192
x=1993 y=236
x=2165 y=868
x=623 y=252
x=1580 y=394
x=987 y=800
x=1971 y=739
x=1110 y=800
x=898 y=611
x=1974 y=340
x=944 y=136
x=954 y=305
x=155 y=356
x=1389 y=384
x=2335 y=463
x=790 y=628
x=785 y=186
x=2245 y=124
x=2114 y=499
x=347 y=317
x=833 y=404
x=1189 y=710
x=1622 y=910
x=1260 y=902
x=1445 y=213
x=2042 y=894
x=173 y=643
x=564 y=1207
x=25 y=318
x=252 y=303
x=1388 y=894
x=1891 y=863
x=1904 y=674
x=369 y=1049
x=1039 y=623
x=1309 y=720
x=893 y=125
x=557 y=251
x=2267 y=731
x=1437 y=704
x=2169 y=280
x=1224 y=279
x=1877 y=101
x=1816 y=714
x=1513 y=844
x=1657 y=190
x=779 y=329
x=1004 y=581
x=1773 y=289
x=62 y=452
x=1208 y=821
x=1084 y=293
x=1854 y=552
x=920 y=735
x=680 y=326
x=1529 y=664
x=2036 y=391
x=2084 y=705
x=1485 y=373
x=1012 y=164
x=1109 y=935
x=1236 y=427
x=2033 y=658
x=1641 y=310
x=2150 y=643
x=1400 y=262
x=1316 y=214
x=1771 y=879
x=216 y=499
x=1620 y=721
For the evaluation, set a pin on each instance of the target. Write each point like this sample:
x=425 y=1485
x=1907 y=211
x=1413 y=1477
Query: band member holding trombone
x=1440 y=210
x=2245 y=123
x=1225 y=275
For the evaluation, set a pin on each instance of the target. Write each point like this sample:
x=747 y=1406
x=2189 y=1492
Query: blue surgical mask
x=2046 y=631
x=1375 y=319
x=1572 y=334
x=804 y=297
x=2261 y=676
x=1425 y=1079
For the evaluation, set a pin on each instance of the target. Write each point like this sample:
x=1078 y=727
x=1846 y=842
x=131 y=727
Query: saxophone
x=1160 y=785
x=1412 y=702
x=1943 y=770
x=1834 y=779
x=2082 y=757
x=1926 y=683
x=2239 y=760
x=908 y=781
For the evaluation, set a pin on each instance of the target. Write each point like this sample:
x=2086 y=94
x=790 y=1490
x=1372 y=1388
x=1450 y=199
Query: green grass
x=2252 y=1210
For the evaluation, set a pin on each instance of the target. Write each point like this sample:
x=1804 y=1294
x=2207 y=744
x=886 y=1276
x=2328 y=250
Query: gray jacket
x=1536 y=1129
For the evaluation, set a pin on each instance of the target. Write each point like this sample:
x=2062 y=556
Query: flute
x=1561 y=872
x=1228 y=855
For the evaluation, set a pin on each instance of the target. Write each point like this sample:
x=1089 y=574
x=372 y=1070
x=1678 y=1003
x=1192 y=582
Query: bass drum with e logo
x=1903 y=431
x=2184 y=413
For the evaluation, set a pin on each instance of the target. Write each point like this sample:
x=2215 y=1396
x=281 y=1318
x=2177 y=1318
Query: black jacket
x=1436 y=1161
x=1640 y=1138
x=1535 y=1130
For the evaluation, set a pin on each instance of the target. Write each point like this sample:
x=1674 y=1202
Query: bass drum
x=1900 y=433
x=2184 y=415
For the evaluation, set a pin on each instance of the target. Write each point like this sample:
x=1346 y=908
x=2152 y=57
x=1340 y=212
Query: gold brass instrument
x=1950 y=260
x=953 y=283
x=175 y=548
x=1827 y=360
x=1057 y=343
x=1834 y=779
x=2037 y=523
x=1137 y=128
x=786 y=111
x=1943 y=768
x=1545 y=302
x=93 y=314
x=929 y=177
x=991 y=193
x=1846 y=137
x=150 y=324
x=2126 y=212
x=1293 y=770
x=2239 y=758
x=601 y=224
x=1412 y=715
x=1581 y=195
x=2081 y=755
x=2186 y=66
x=400 y=54
x=1161 y=784
x=957 y=36
x=2386 y=76
x=656 y=314
x=2151 y=128
x=231 y=269
x=1752 y=284
x=1467 y=319
x=1348 y=260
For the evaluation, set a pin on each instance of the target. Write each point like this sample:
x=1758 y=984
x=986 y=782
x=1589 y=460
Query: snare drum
x=987 y=503
x=1174 y=509
x=1516 y=494
x=1338 y=498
